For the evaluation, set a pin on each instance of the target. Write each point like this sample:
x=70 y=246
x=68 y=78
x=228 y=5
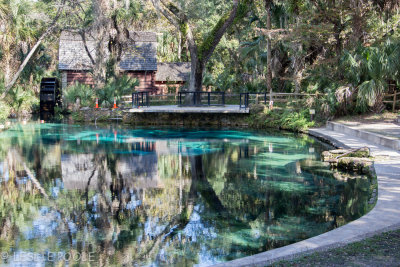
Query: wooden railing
x=155 y=100
x=230 y=99
x=395 y=98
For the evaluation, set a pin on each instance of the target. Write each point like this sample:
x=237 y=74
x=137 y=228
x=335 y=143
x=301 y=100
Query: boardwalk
x=227 y=109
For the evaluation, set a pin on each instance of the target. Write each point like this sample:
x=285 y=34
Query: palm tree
x=370 y=69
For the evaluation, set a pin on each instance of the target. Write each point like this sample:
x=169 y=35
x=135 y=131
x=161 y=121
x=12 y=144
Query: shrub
x=369 y=69
x=116 y=87
x=288 y=119
x=296 y=121
x=22 y=101
x=5 y=111
x=80 y=91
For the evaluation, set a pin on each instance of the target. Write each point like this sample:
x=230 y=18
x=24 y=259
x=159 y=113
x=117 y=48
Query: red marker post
x=97 y=103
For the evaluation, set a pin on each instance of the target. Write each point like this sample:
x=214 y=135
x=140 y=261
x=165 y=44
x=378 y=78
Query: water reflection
x=164 y=197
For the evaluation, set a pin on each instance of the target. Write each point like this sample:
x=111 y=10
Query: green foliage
x=22 y=100
x=242 y=11
x=5 y=111
x=369 y=69
x=256 y=85
x=80 y=91
x=116 y=87
x=286 y=119
x=296 y=121
x=222 y=83
x=208 y=41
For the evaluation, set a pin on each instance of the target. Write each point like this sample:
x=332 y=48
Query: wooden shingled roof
x=179 y=72
x=140 y=53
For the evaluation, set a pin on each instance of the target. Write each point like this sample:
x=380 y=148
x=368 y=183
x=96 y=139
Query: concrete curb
x=327 y=139
x=378 y=139
x=385 y=216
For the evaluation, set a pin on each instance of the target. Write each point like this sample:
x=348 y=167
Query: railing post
x=394 y=101
x=223 y=98
x=209 y=96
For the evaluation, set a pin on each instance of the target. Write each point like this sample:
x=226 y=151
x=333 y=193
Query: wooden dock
x=227 y=109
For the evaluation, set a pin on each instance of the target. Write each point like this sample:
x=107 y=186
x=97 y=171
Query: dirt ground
x=386 y=116
x=381 y=250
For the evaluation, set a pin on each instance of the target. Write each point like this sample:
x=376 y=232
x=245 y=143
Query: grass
x=380 y=250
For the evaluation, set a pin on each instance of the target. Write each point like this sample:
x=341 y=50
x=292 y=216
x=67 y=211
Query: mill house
x=138 y=59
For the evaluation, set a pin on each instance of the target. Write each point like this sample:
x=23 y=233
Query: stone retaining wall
x=186 y=119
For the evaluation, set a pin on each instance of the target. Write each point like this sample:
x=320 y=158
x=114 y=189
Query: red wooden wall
x=146 y=81
x=80 y=77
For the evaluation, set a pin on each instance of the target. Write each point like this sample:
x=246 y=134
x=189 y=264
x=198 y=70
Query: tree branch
x=165 y=13
x=33 y=50
x=83 y=35
x=219 y=30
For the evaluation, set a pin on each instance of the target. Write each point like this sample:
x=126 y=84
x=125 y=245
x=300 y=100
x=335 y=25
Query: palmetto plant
x=83 y=92
x=116 y=87
x=369 y=69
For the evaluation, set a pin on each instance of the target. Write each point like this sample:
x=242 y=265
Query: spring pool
x=114 y=195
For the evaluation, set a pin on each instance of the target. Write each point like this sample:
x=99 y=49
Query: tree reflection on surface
x=166 y=197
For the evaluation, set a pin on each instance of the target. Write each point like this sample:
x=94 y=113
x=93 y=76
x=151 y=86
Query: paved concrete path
x=385 y=215
x=201 y=109
x=386 y=128
x=379 y=133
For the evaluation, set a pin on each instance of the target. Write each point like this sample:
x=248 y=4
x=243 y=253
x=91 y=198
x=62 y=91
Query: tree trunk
x=102 y=28
x=268 y=4
x=7 y=71
x=99 y=70
x=32 y=52
x=25 y=62
x=298 y=71
x=202 y=53
x=179 y=45
x=196 y=76
x=195 y=63
x=196 y=79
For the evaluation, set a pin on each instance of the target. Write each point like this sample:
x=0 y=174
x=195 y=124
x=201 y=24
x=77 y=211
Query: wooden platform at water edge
x=227 y=109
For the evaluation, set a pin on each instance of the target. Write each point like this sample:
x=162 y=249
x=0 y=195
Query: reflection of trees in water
x=148 y=207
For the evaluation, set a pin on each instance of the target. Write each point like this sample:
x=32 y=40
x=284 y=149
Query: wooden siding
x=165 y=88
x=146 y=81
x=80 y=77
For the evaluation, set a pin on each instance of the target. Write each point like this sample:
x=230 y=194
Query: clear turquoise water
x=162 y=197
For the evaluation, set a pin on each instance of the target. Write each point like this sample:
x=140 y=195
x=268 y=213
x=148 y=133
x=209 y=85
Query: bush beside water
x=286 y=119
x=86 y=95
